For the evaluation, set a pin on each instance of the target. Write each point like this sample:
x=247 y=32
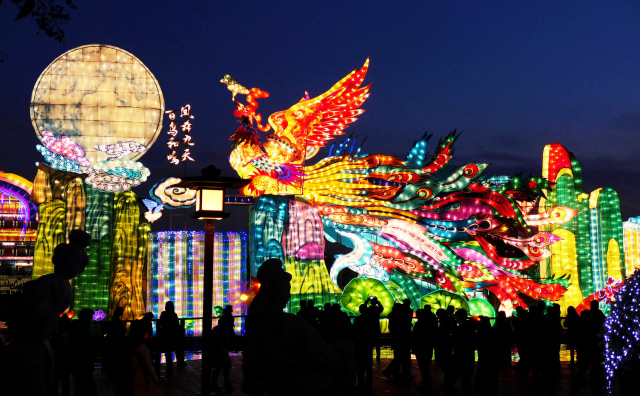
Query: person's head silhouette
x=275 y=283
x=275 y=288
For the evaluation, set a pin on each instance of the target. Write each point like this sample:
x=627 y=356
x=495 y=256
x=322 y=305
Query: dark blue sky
x=512 y=75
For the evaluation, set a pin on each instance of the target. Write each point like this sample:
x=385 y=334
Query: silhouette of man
x=400 y=329
x=422 y=336
x=284 y=353
x=366 y=333
x=464 y=346
x=170 y=336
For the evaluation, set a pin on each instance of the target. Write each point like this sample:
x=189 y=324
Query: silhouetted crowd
x=318 y=351
x=130 y=355
x=470 y=352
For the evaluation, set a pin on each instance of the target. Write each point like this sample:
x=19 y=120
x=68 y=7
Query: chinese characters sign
x=179 y=132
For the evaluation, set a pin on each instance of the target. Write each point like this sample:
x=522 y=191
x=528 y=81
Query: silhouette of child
x=222 y=337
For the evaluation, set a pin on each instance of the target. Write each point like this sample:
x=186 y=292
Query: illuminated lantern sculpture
x=631 y=231
x=416 y=225
x=96 y=109
x=591 y=245
x=442 y=299
x=622 y=343
x=175 y=272
x=358 y=291
x=117 y=252
x=293 y=232
x=18 y=223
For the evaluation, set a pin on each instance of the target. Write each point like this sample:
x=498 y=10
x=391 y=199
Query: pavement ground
x=186 y=381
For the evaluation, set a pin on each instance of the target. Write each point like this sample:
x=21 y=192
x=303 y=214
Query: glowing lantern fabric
x=482 y=307
x=18 y=214
x=358 y=291
x=117 y=254
x=97 y=109
x=409 y=222
x=175 y=272
x=441 y=299
x=422 y=221
x=631 y=234
x=292 y=231
x=275 y=166
x=592 y=243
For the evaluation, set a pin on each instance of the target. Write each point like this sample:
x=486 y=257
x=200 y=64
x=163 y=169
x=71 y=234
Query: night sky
x=512 y=75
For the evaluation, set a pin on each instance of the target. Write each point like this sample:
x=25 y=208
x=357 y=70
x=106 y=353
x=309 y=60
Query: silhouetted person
x=312 y=312
x=572 y=323
x=537 y=341
x=143 y=376
x=400 y=324
x=590 y=350
x=150 y=341
x=170 y=337
x=83 y=350
x=487 y=374
x=34 y=318
x=423 y=337
x=464 y=346
x=334 y=324
x=118 y=354
x=326 y=321
x=443 y=349
x=284 y=354
x=521 y=334
x=222 y=338
x=597 y=314
x=114 y=343
x=60 y=344
x=548 y=337
x=504 y=335
x=366 y=331
x=303 y=309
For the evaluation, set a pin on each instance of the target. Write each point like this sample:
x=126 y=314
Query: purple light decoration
x=98 y=315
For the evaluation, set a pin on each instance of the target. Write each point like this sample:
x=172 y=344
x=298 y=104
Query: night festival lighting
x=631 y=232
x=622 y=336
x=433 y=225
x=175 y=273
x=96 y=110
x=417 y=228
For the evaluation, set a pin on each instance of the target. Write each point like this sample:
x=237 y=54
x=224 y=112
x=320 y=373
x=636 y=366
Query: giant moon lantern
x=96 y=109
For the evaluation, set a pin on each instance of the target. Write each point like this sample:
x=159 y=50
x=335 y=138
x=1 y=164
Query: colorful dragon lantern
x=419 y=219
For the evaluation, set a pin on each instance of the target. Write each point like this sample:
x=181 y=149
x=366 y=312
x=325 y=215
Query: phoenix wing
x=300 y=131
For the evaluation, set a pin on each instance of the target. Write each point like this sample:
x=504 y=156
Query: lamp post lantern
x=210 y=188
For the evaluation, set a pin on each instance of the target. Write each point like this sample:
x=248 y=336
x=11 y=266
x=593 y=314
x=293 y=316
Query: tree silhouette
x=49 y=16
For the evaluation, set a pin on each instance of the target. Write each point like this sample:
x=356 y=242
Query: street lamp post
x=209 y=189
